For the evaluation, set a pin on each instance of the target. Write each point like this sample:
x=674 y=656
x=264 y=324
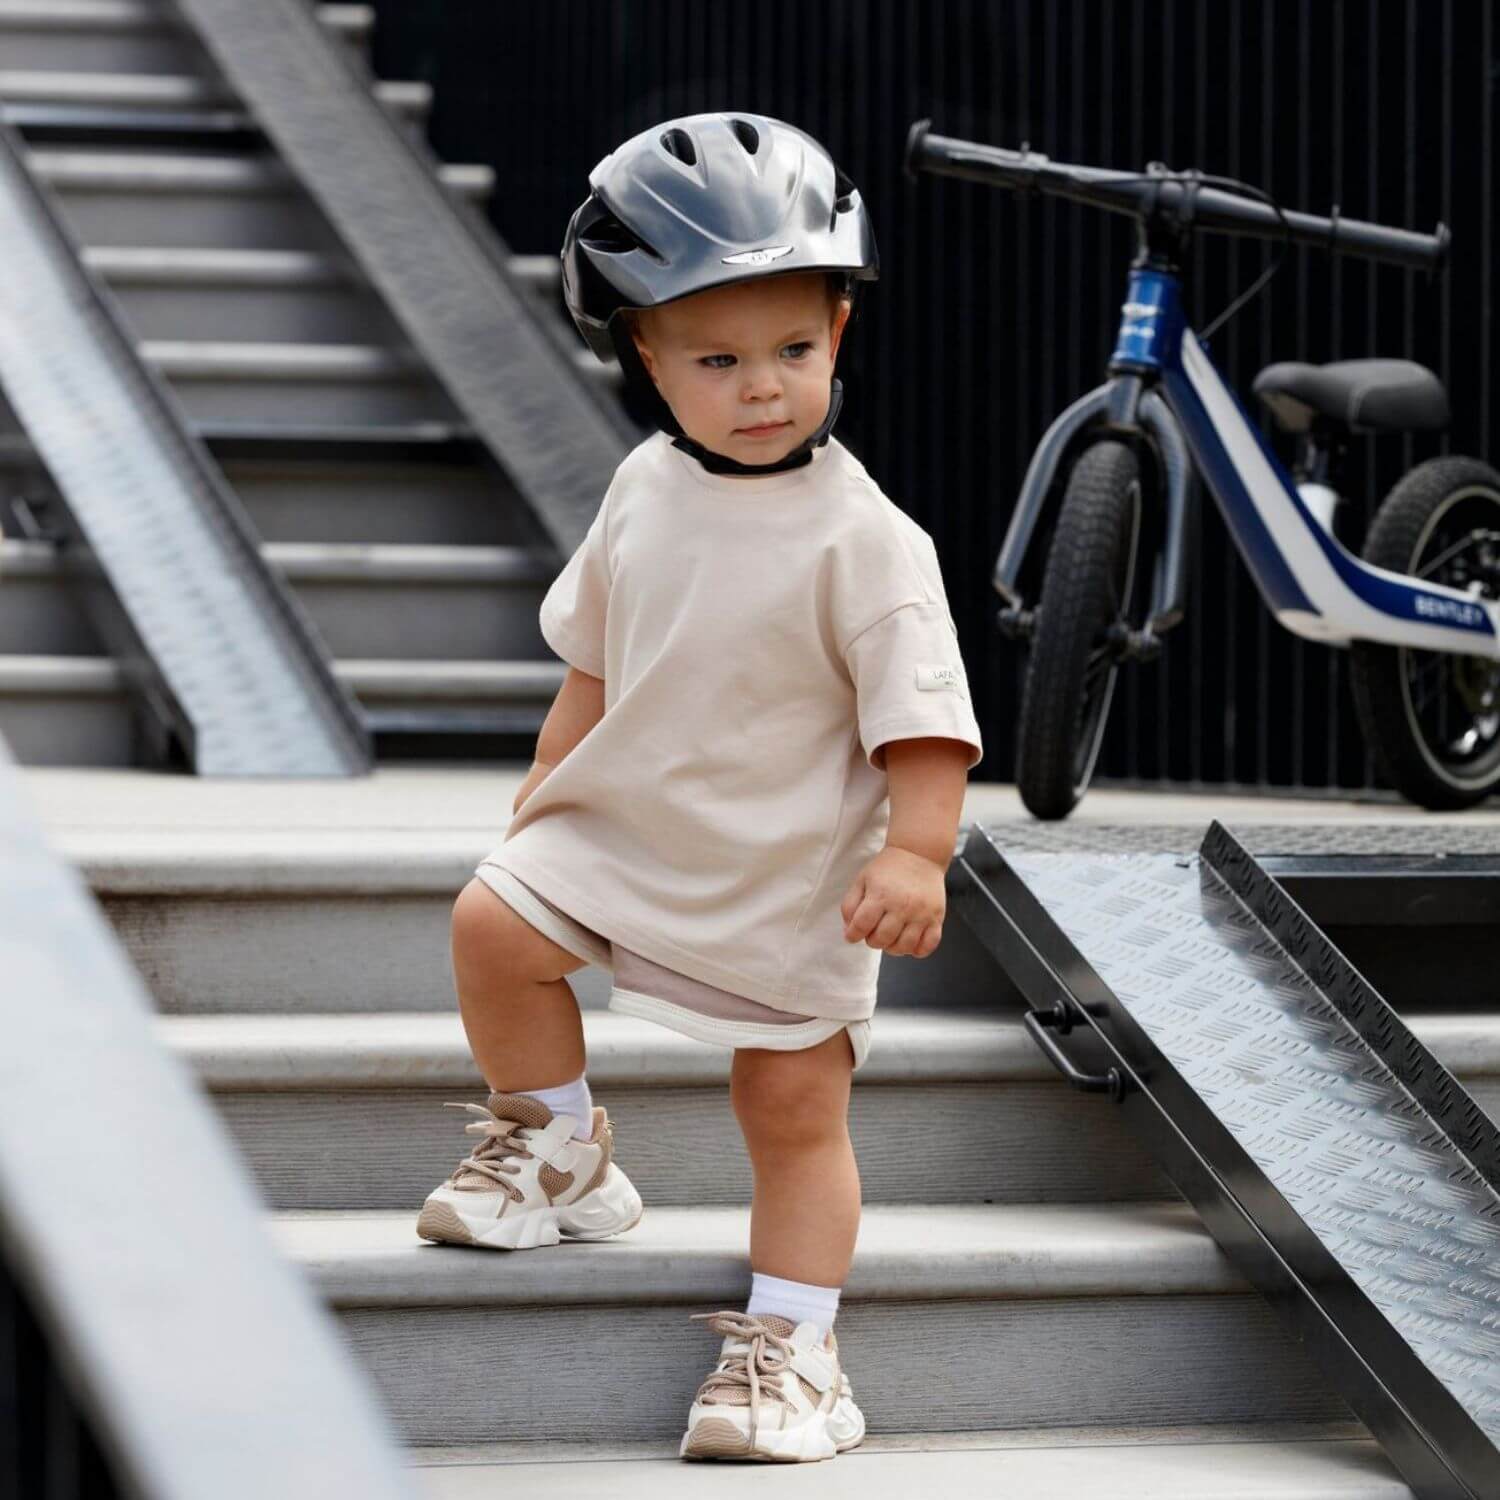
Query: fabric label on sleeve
x=931 y=678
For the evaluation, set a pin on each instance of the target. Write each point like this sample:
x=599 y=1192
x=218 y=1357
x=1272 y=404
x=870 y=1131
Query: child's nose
x=762 y=382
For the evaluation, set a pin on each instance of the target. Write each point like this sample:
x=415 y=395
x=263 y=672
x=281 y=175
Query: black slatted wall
x=991 y=313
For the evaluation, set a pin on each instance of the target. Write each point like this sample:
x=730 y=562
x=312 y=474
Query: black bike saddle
x=1363 y=395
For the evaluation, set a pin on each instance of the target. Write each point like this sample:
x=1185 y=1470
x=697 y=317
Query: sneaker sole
x=717 y=1437
x=610 y=1209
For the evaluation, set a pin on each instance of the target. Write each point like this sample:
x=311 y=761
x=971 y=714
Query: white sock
x=569 y=1099
x=797 y=1301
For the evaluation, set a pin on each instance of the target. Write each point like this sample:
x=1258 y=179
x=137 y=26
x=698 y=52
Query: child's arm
x=579 y=705
x=898 y=901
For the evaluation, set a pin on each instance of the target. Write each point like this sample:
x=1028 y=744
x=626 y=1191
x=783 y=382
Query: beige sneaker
x=778 y=1393
x=530 y=1182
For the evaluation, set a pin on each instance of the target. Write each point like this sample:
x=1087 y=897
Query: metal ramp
x=217 y=649
x=1344 y=1170
x=411 y=424
x=438 y=269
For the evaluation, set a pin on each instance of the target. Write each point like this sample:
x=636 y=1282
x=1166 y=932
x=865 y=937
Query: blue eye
x=711 y=360
x=797 y=350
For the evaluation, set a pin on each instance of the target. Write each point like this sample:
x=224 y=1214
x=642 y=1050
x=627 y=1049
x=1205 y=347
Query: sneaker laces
x=504 y=1143
x=768 y=1356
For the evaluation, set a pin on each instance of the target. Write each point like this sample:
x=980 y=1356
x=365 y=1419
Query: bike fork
x=1122 y=405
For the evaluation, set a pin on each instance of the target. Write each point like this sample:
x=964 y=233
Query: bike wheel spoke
x=1100 y=661
x=1425 y=679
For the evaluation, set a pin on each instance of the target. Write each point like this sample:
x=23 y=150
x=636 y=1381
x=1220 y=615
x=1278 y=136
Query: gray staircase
x=1025 y=1274
x=418 y=562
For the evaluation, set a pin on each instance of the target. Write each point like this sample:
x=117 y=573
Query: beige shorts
x=646 y=989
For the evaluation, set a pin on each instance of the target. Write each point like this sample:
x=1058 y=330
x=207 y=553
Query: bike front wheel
x=1087 y=586
x=1432 y=718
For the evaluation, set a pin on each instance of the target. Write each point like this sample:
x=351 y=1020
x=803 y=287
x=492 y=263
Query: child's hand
x=897 y=903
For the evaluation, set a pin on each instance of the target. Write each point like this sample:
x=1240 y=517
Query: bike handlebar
x=1167 y=193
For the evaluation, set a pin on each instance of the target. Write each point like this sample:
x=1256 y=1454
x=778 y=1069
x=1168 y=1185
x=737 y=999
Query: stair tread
x=151 y=265
x=145 y=15
x=411 y=96
x=270 y=861
x=537 y=270
x=226 y=359
x=479 y=680
x=63 y=676
x=1233 y=1463
x=348 y=20
x=374 y=1258
x=443 y=444
x=95 y=87
x=429 y=1050
x=75 y=15
x=345 y=562
x=81 y=168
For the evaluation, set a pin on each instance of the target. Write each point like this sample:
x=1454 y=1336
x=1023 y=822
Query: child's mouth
x=766 y=429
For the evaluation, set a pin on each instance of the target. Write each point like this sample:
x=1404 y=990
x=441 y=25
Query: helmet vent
x=679 y=143
x=844 y=188
x=747 y=135
x=608 y=234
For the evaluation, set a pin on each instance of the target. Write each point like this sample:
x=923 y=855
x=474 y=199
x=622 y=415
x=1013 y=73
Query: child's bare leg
x=793 y=1108
x=527 y=1038
x=519 y=1013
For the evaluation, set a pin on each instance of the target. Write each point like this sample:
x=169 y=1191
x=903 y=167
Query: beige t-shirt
x=759 y=640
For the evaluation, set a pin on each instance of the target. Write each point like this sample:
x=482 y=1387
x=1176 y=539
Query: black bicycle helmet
x=703 y=201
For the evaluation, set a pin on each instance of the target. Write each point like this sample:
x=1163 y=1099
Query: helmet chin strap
x=717 y=463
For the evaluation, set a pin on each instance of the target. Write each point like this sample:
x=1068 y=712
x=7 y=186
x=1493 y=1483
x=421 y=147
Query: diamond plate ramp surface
x=1346 y=1172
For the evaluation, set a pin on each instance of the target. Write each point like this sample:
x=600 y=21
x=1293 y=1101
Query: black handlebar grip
x=915 y=138
x=1444 y=237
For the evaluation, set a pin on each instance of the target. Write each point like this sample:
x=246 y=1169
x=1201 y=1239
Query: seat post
x=1318 y=468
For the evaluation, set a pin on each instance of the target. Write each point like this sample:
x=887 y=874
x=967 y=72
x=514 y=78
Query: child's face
x=746 y=368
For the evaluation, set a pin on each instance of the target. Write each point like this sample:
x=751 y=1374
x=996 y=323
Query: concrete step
x=429 y=603
x=278 y=296
x=249 y=295
x=1260 y=1461
x=73 y=711
x=195 y=298
x=199 y=89
x=454 y=697
x=128 y=196
x=419 y=484
x=347 y=1111
x=237 y=921
x=38 y=615
x=355 y=495
x=411 y=602
x=354 y=24
x=953 y=1318
x=66 y=711
x=126 y=36
x=306 y=384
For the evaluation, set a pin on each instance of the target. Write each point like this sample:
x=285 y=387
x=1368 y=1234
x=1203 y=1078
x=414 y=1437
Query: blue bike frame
x=1313 y=585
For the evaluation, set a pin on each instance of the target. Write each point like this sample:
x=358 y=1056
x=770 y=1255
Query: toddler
x=749 y=785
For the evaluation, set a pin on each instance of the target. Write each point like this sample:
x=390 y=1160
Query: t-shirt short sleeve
x=910 y=682
x=573 y=610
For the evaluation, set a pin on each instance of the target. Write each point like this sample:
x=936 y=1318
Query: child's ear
x=840 y=317
x=644 y=350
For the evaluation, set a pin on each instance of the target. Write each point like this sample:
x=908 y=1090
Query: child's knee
x=489 y=938
x=786 y=1099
